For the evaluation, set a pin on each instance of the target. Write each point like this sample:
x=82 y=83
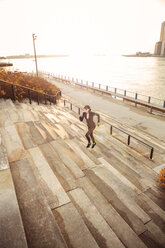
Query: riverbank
x=142 y=56
x=5 y=64
x=152 y=124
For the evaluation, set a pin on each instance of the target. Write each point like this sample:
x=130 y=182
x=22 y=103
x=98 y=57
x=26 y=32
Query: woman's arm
x=82 y=117
x=97 y=116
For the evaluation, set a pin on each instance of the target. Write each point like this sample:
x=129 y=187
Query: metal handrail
x=131 y=136
x=29 y=90
x=112 y=126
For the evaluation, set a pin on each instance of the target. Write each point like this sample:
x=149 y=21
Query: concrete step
x=157 y=196
x=6 y=103
x=51 y=116
x=73 y=228
x=88 y=163
x=156 y=213
x=125 y=194
x=12 y=233
x=39 y=223
x=121 y=167
x=12 y=143
x=61 y=132
x=120 y=177
x=69 y=130
x=154 y=236
x=148 y=138
x=67 y=160
x=4 y=164
x=52 y=188
x=139 y=167
x=50 y=129
x=124 y=205
x=25 y=135
x=99 y=228
x=63 y=174
x=88 y=152
x=71 y=153
x=112 y=143
x=5 y=120
x=34 y=133
x=43 y=131
x=111 y=215
x=143 y=157
x=22 y=115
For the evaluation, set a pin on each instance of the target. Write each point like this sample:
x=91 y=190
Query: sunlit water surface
x=145 y=75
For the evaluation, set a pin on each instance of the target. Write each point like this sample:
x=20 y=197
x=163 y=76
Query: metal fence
x=115 y=92
x=15 y=92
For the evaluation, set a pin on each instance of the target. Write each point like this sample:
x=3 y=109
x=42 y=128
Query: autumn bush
x=161 y=178
x=27 y=80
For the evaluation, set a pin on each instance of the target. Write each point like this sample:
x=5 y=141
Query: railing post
x=29 y=95
x=115 y=92
x=93 y=84
x=149 y=99
x=151 y=153
x=99 y=86
x=106 y=87
x=136 y=96
x=79 y=111
x=124 y=94
x=136 y=99
x=64 y=103
x=13 y=92
x=128 y=142
x=45 y=99
x=110 y=129
x=71 y=106
x=38 y=98
x=151 y=110
x=87 y=83
x=164 y=104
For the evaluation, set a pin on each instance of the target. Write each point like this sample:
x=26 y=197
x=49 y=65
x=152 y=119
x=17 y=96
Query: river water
x=144 y=75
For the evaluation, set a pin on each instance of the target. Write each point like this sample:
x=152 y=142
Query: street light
x=34 y=38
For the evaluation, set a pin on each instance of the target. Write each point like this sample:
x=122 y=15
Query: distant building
x=158 y=48
x=160 y=45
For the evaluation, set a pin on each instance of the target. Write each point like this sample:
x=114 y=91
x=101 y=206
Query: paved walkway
x=152 y=124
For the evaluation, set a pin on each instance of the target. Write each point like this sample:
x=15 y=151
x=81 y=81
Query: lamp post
x=34 y=38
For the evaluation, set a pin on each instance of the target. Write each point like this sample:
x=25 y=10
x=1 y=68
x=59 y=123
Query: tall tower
x=162 y=38
x=162 y=33
x=160 y=45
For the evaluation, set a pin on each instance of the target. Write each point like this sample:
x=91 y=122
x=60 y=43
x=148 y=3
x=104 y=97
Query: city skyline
x=80 y=27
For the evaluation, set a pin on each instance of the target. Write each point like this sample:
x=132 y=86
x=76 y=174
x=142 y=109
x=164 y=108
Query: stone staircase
x=56 y=193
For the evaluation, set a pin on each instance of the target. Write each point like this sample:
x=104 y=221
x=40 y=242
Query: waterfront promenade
x=154 y=123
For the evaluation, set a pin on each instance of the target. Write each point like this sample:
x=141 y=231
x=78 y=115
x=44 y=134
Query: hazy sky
x=80 y=26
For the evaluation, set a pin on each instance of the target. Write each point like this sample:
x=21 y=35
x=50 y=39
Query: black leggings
x=90 y=134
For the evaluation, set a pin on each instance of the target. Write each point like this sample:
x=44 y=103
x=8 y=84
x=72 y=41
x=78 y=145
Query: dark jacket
x=90 y=122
